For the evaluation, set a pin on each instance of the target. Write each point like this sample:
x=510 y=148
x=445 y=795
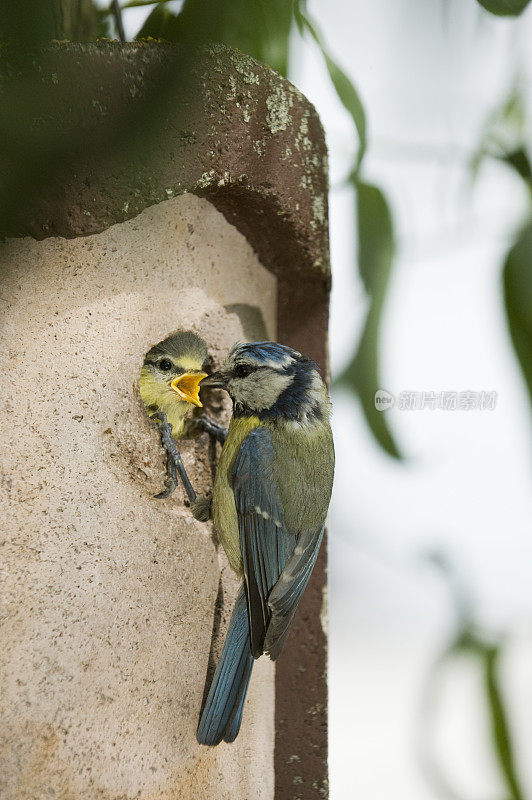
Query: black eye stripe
x=252 y=367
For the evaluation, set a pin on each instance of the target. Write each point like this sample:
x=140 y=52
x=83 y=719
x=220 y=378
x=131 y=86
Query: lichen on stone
x=317 y=708
x=241 y=64
x=318 y=209
x=227 y=94
x=226 y=178
x=279 y=103
x=206 y=179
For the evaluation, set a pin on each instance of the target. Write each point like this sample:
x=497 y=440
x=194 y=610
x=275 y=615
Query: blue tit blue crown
x=268 y=352
x=273 y=381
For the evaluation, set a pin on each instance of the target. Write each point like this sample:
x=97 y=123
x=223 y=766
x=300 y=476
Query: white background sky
x=429 y=73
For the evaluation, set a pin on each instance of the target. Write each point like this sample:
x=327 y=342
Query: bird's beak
x=187 y=386
x=218 y=380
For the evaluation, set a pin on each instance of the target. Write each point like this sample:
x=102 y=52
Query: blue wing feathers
x=232 y=729
x=299 y=566
x=278 y=563
x=264 y=542
x=222 y=714
x=276 y=571
x=286 y=594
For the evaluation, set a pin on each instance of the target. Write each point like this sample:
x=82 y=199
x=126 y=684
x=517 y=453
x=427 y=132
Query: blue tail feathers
x=222 y=714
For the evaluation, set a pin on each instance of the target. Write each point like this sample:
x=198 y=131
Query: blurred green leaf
x=505 y=136
x=468 y=641
x=375 y=254
x=157 y=23
x=344 y=87
x=505 y=139
x=140 y=3
x=517 y=279
x=26 y=27
x=504 y=8
x=47 y=136
x=23 y=32
x=351 y=101
x=471 y=642
x=518 y=159
x=375 y=248
x=499 y=722
x=260 y=28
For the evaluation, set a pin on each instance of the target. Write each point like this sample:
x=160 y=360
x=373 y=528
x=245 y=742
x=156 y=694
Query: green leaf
x=375 y=254
x=499 y=723
x=505 y=137
x=518 y=159
x=375 y=244
x=351 y=101
x=140 y=3
x=517 y=279
x=260 y=28
x=25 y=27
x=469 y=641
x=344 y=87
x=157 y=24
x=504 y=8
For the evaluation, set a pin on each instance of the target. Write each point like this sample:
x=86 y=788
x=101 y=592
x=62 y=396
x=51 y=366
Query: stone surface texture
x=108 y=595
x=112 y=131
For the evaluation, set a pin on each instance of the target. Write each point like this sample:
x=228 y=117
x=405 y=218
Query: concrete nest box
x=188 y=190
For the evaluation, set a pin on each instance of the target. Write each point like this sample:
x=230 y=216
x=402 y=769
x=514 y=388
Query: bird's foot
x=174 y=462
x=216 y=431
x=170 y=481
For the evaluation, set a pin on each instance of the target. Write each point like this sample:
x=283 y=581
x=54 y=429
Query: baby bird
x=270 y=500
x=170 y=376
x=169 y=383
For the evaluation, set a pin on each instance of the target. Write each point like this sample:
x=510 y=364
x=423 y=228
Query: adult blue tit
x=270 y=500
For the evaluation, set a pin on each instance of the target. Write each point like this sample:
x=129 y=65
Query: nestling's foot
x=170 y=481
x=205 y=423
x=175 y=464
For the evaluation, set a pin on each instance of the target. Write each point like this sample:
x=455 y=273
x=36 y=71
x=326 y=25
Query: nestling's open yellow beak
x=187 y=386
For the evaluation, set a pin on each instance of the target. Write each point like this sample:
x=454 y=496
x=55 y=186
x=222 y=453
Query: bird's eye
x=165 y=365
x=242 y=370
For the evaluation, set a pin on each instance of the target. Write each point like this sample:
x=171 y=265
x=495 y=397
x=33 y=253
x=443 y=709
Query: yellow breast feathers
x=223 y=500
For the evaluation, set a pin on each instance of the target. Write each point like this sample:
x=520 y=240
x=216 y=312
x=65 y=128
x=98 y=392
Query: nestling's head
x=272 y=381
x=170 y=376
